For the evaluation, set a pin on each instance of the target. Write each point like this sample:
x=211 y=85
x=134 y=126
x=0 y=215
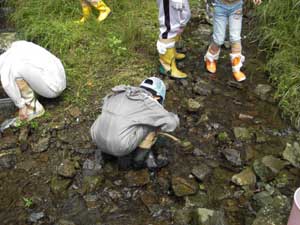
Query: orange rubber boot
x=237 y=62
x=211 y=61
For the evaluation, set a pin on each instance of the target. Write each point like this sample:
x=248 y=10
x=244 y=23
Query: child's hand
x=257 y=2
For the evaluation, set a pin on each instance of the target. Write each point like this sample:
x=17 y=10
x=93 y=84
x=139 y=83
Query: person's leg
x=34 y=108
x=103 y=9
x=169 y=21
x=184 y=19
x=143 y=150
x=143 y=156
x=235 y=27
x=219 y=33
x=86 y=11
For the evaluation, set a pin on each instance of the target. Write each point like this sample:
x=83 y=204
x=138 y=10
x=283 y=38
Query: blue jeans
x=224 y=14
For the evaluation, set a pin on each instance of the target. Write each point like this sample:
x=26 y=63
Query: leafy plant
x=27 y=202
x=116 y=45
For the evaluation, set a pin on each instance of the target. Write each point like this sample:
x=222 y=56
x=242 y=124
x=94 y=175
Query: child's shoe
x=86 y=12
x=211 y=61
x=103 y=9
x=168 y=65
x=237 y=62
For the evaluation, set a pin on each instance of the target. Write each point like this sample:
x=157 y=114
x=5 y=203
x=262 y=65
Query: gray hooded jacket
x=128 y=115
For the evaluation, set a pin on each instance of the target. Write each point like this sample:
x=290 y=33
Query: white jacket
x=34 y=64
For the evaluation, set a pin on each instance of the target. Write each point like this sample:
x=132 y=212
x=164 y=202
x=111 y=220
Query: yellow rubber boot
x=237 y=62
x=103 y=9
x=168 y=65
x=179 y=56
x=86 y=12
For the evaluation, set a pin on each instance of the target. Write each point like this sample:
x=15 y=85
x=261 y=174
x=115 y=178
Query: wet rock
x=75 y=209
x=42 y=145
x=184 y=82
x=75 y=112
x=286 y=180
x=275 y=213
x=187 y=145
x=34 y=217
x=201 y=171
x=193 y=105
x=59 y=186
x=57 y=125
x=203 y=216
x=198 y=200
x=87 y=151
x=114 y=195
x=242 y=134
x=182 y=186
x=163 y=180
x=150 y=200
x=263 y=91
x=91 y=201
x=8 y=142
x=65 y=222
x=90 y=167
x=273 y=163
x=137 y=178
x=202 y=88
x=8 y=160
x=248 y=154
x=233 y=156
x=198 y=152
x=268 y=167
x=92 y=183
x=261 y=137
x=235 y=84
x=67 y=169
x=204 y=118
x=262 y=199
x=182 y=216
x=292 y=154
x=223 y=137
x=246 y=177
x=27 y=165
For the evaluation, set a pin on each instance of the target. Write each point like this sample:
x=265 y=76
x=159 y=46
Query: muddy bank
x=236 y=164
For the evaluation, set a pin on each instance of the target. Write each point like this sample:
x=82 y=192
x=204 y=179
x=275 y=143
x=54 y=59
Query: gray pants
x=172 y=21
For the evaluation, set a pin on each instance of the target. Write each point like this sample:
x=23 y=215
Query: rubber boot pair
x=34 y=107
x=236 y=63
x=103 y=9
x=168 y=63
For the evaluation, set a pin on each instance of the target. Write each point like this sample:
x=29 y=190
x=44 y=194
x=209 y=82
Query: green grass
x=96 y=56
x=278 y=32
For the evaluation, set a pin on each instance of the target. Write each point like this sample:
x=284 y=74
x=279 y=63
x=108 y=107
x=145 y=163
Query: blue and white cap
x=157 y=85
